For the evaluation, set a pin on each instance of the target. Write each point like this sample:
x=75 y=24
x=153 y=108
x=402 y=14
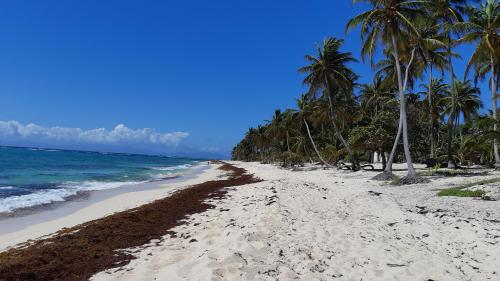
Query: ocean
x=31 y=177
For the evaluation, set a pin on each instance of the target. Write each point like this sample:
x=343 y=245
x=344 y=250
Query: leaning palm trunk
x=314 y=144
x=403 y=123
x=355 y=164
x=494 y=113
x=387 y=174
x=388 y=167
x=412 y=174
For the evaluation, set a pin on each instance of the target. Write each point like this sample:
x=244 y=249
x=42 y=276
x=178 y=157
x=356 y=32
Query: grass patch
x=459 y=192
x=462 y=191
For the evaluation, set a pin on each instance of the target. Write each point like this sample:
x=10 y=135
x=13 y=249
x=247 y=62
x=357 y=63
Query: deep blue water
x=33 y=176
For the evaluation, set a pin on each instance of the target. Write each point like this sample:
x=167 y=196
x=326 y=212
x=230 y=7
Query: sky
x=183 y=78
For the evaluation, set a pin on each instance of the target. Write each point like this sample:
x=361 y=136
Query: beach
x=314 y=224
x=253 y=140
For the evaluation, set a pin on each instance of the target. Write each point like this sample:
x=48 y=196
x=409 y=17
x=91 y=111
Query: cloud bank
x=15 y=131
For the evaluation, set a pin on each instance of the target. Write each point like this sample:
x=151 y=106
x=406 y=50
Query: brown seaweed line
x=79 y=252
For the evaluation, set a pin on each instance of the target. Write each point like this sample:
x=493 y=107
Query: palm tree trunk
x=406 y=146
x=402 y=117
x=495 y=115
x=287 y=141
x=388 y=167
x=384 y=160
x=355 y=164
x=314 y=144
x=431 y=127
x=451 y=161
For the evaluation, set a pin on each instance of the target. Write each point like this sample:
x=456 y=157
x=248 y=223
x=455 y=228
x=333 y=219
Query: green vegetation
x=462 y=191
x=416 y=108
x=458 y=192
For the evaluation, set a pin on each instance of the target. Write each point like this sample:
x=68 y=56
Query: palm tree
x=386 y=70
x=275 y=130
x=467 y=101
x=261 y=141
x=302 y=115
x=386 y=22
x=467 y=104
x=435 y=93
x=375 y=96
x=328 y=71
x=429 y=44
x=287 y=124
x=435 y=59
x=448 y=13
x=483 y=28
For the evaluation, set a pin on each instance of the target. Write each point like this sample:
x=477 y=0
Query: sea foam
x=68 y=189
x=60 y=194
x=173 y=168
x=29 y=178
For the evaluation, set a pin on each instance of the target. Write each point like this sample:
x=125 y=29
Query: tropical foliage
x=415 y=109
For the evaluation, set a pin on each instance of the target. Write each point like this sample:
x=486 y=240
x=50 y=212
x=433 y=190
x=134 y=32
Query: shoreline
x=39 y=221
x=263 y=222
x=93 y=196
x=79 y=252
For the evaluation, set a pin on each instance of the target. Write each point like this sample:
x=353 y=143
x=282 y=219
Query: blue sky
x=208 y=69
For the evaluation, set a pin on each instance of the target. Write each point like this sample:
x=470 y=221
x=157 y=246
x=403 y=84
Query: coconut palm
x=447 y=13
x=425 y=42
x=435 y=59
x=435 y=93
x=483 y=29
x=386 y=70
x=385 y=23
x=467 y=101
x=429 y=45
x=375 y=96
x=288 y=121
x=467 y=105
x=302 y=115
x=328 y=73
x=276 y=129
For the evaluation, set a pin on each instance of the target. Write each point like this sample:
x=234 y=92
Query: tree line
x=417 y=107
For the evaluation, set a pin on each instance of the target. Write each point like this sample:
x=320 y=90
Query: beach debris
x=422 y=210
x=374 y=193
x=396 y=265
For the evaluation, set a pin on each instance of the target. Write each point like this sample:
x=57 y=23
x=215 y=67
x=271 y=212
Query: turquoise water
x=33 y=176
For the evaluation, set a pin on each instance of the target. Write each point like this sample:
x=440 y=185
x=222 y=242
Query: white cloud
x=13 y=130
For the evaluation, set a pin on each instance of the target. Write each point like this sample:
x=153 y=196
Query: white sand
x=21 y=229
x=327 y=225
